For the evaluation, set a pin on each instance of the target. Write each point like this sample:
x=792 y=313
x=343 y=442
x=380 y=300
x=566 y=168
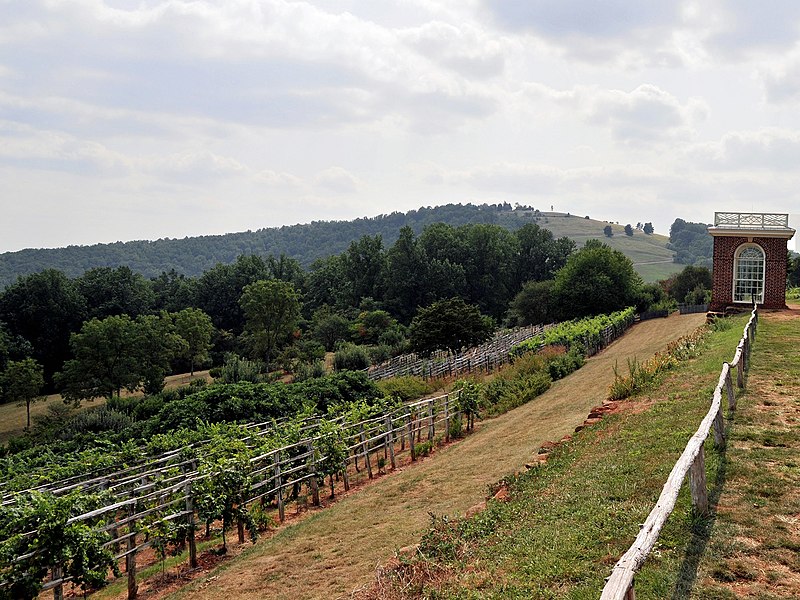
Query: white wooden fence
x=619 y=585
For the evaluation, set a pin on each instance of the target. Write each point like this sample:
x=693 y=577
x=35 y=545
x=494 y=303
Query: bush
x=379 y=354
x=405 y=388
x=237 y=369
x=350 y=357
x=305 y=371
x=98 y=420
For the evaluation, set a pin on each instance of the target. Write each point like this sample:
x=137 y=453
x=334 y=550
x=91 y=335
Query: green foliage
x=305 y=371
x=75 y=547
x=22 y=382
x=607 y=231
x=97 y=420
x=534 y=305
x=692 y=243
x=629 y=230
x=196 y=329
x=271 y=310
x=236 y=369
x=596 y=280
x=585 y=333
x=405 y=388
x=449 y=324
x=687 y=282
x=351 y=358
x=115 y=291
x=423 y=448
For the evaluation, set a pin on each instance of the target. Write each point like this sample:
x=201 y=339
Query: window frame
x=745 y=297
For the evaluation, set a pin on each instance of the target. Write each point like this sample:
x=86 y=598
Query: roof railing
x=751 y=220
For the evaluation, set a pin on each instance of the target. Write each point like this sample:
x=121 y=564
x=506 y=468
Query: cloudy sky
x=143 y=119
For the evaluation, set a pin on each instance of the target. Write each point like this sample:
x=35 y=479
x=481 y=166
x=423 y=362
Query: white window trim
x=739 y=250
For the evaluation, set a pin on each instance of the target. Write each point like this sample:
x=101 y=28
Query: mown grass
x=568 y=521
x=754 y=549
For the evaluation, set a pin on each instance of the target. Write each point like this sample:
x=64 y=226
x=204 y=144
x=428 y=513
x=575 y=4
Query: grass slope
x=754 y=546
x=337 y=549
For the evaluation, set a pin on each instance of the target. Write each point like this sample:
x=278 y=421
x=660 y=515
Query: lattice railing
x=751 y=220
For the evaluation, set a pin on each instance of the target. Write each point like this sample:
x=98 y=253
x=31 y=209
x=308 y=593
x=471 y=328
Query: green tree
x=687 y=281
x=44 y=309
x=597 y=279
x=22 y=382
x=329 y=327
x=533 y=304
x=197 y=330
x=607 y=231
x=449 y=324
x=117 y=291
x=405 y=276
x=540 y=255
x=157 y=343
x=173 y=291
x=272 y=310
x=105 y=362
x=648 y=228
x=629 y=230
x=489 y=266
x=363 y=265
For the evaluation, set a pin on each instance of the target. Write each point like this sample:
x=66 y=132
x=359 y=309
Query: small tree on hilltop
x=272 y=309
x=628 y=230
x=449 y=324
x=648 y=228
x=607 y=231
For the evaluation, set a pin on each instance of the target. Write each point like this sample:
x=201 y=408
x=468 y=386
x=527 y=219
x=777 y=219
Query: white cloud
x=773 y=150
x=338 y=180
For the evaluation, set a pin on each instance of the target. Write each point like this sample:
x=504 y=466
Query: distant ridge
x=192 y=256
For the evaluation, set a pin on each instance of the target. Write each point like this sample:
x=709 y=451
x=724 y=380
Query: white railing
x=619 y=585
x=751 y=220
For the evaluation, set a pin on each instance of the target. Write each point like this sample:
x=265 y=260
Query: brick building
x=749 y=260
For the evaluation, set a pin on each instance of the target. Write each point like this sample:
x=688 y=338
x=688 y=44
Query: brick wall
x=774 y=270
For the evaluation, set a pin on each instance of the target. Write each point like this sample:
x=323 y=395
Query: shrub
x=96 y=420
x=237 y=369
x=305 y=371
x=351 y=357
x=405 y=388
x=379 y=354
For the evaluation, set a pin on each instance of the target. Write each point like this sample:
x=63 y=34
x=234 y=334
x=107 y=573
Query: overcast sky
x=143 y=119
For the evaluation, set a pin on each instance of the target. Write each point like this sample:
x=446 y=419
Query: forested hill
x=194 y=255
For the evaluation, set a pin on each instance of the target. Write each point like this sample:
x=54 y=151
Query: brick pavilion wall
x=774 y=270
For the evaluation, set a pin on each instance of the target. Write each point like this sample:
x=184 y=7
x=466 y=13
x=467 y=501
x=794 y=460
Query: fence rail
x=485 y=357
x=689 y=309
x=751 y=220
x=619 y=585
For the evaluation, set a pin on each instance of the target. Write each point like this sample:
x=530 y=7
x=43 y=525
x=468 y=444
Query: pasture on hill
x=332 y=551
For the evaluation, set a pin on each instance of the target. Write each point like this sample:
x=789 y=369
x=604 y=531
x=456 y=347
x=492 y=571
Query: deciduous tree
x=22 y=382
x=271 y=310
x=449 y=324
x=197 y=330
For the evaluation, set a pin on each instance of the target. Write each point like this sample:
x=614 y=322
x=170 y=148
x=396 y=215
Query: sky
x=145 y=119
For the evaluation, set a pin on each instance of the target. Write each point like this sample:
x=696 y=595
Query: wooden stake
x=390 y=437
x=191 y=526
x=130 y=559
x=719 y=429
x=697 y=483
x=312 y=464
x=279 y=486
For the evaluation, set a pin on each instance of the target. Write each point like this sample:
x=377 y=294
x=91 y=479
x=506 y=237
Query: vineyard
x=80 y=528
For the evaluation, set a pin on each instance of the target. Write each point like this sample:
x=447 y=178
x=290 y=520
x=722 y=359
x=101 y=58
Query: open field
x=333 y=551
x=13 y=417
x=649 y=253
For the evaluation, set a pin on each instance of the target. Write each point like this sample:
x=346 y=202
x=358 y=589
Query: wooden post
x=729 y=389
x=631 y=593
x=190 y=522
x=366 y=452
x=312 y=464
x=58 y=591
x=130 y=559
x=279 y=486
x=410 y=425
x=431 y=426
x=719 y=429
x=697 y=483
x=390 y=437
x=447 y=418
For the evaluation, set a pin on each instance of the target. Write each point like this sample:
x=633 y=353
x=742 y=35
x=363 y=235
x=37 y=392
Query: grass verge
x=564 y=524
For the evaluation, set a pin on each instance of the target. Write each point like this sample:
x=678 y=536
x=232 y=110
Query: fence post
x=631 y=593
x=312 y=463
x=431 y=426
x=447 y=418
x=740 y=370
x=729 y=388
x=130 y=559
x=279 y=485
x=58 y=591
x=719 y=429
x=390 y=439
x=190 y=526
x=366 y=452
x=697 y=483
x=410 y=425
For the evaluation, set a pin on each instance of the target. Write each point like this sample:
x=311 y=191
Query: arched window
x=748 y=275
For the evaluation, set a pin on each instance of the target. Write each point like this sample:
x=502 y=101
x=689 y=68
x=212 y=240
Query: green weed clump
x=350 y=357
x=406 y=387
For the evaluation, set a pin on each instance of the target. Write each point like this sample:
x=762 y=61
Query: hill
x=192 y=256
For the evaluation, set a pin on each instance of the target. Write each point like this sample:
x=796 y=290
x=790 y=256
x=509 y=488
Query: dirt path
x=337 y=549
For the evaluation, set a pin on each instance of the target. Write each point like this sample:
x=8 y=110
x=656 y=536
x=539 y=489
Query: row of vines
x=83 y=527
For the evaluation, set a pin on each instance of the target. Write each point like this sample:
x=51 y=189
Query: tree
x=44 y=309
x=22 y=382
x=105 y=360
x=449 y=324
x=596 y=279
x=197 y=330
x=629 y=230
x=533 y=304
x=117 y=291
x=607 y=231
x=540 y=255
x=271 y=310
x=648 y=228
x=173 y=291
x=329 y=327
x=405 y=276
x=363 y=265
x=688 y=280
x=157 y=344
